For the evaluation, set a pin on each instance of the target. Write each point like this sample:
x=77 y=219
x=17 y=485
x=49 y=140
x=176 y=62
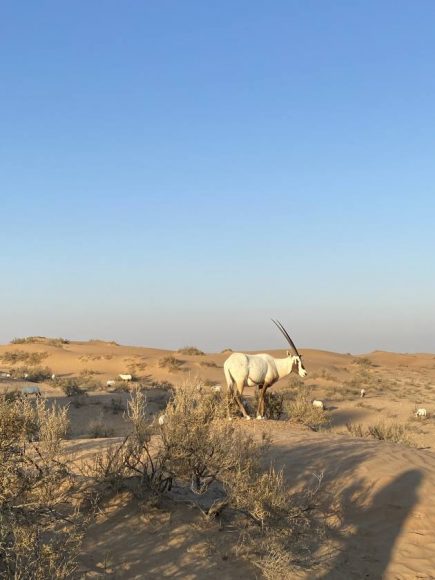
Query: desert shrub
x=40 y=340
x=209 y=363
x=301 y=410
x=116 y=405
x=190 y=350
x=323 y=374
x=356 y=429
x=274 y=405
x=363 y=361
x=295 y=382
x=198 y=445
x=72 y=389
x=394 y=432
x=20 y=356
x=161 y=385
x=40 y=529
x=87 y=378
x=171 y=363
x=209 y=383
x=11 y=395
x=383 y=431
x=197 y=448
x=98 y=429
x=33 y=374
x=69 y=385
x=100 y=341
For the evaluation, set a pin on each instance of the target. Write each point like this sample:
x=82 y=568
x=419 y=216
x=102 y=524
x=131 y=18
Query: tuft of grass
x=363 y=361
x=209 y=363
x=301 y=410
x=191 y=351
x=171 y=363
x=383 y=431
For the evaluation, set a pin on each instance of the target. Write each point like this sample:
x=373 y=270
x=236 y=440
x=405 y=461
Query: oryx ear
x=289 y=353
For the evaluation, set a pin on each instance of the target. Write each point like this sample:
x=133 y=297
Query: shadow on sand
x=376 y=520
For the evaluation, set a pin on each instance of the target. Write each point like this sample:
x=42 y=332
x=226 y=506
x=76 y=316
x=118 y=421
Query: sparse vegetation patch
x=383 y=431
x=190 y=350
x=301 y=410
x=20 y=356
x=171 y=363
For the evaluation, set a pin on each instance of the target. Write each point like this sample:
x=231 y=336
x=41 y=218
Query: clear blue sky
x=177 y=173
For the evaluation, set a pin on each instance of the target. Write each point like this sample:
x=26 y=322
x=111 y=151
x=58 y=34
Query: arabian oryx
x=261 y=371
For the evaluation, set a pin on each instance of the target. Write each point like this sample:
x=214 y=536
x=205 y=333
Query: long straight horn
x=286 y=334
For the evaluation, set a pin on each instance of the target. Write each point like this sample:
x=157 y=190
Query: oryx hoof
x=248 y=418
x=260 y=417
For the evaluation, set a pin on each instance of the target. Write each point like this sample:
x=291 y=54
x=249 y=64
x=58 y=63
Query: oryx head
x=293 y=353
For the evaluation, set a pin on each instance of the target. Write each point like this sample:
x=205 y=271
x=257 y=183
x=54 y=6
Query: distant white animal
x=421 y=413
x=53 y=376
x=162 y=419
x=26 y=375
x=216 y=388
x=110 y=383
x=34 y=390
x=363 y=393
x=125 y=377
x=261 y=371
x=319 y=405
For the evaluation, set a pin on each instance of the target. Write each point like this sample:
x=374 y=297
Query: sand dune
x=385 y=490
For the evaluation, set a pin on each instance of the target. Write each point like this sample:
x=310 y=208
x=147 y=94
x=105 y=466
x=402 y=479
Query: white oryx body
x=258 y=370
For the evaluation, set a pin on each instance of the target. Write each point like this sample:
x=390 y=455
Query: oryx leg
x=261 y=402
x=237 y=394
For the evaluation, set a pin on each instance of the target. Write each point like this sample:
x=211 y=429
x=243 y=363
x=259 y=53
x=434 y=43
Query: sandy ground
x=385 y=490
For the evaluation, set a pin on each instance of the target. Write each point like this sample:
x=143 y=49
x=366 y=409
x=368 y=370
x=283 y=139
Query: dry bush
x=363 y=361
x=322 y=374
x=165 y=385
x=356 y=429
x=87 y=378
x=198 y=444
x=286 y=525
x=97 y=429
x=40 y=529
x=210 y=364
x=171 y=363
x=190 y=350
x=197 y=449
x=301 y=410
x=33 y=374
x=209 y=383
x=40 y=340
x=20 y=356
x=295 y=382
x=69 y=385
x=383 y=431
x=274 y=404
x=394 y=432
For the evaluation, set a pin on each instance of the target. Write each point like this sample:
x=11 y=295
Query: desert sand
x=386 y=522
